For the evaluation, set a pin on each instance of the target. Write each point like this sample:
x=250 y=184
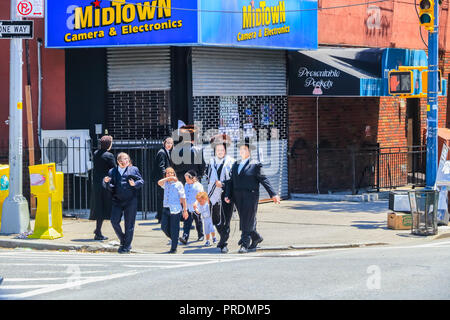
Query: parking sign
x=30 y=8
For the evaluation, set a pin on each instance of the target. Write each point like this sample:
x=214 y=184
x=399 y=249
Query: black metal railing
x=355 y=169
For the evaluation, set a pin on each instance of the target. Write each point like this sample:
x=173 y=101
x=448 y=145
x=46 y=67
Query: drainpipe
x=39 y=44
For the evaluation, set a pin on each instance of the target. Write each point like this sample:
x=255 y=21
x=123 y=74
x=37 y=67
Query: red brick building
x=357 y=123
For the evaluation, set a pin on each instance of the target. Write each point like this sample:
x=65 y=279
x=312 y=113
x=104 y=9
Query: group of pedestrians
x=180 y=195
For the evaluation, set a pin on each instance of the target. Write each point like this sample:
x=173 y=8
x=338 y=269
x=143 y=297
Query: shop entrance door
x=412 y=132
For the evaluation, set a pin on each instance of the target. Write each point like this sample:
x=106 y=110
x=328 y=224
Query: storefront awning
x=349 y=71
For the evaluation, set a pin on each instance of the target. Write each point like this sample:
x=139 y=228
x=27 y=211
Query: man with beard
x=218 y=175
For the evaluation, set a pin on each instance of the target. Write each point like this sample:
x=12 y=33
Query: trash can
x=424 y=205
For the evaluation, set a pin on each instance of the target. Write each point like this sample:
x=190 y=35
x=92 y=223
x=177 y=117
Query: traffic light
x=426 y=14
x=400 y=82
x=425 y=81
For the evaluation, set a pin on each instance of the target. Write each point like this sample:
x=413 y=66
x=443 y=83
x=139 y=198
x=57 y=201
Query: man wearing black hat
x=161 y=163
x=246 y=175
x=182 y=162
x=218 y=174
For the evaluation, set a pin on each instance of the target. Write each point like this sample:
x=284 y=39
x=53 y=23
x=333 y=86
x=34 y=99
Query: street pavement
x=291 y=225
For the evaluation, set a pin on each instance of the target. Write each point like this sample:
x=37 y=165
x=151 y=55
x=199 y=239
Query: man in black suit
x=186 y=155
x=124 y=182
x=162 y=162
x=246 y=175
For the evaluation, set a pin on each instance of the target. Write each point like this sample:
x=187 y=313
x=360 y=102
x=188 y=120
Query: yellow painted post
x=4 y=186
x=57 y=200
x=43 y=184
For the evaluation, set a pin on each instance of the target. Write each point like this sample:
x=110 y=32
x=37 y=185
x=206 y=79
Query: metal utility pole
x=432 y=100
x=15 y=213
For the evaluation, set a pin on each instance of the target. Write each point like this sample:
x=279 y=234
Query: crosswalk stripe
x=67 y=285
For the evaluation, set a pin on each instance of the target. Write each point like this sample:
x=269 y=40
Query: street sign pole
x=432 y=101
x=15 y=213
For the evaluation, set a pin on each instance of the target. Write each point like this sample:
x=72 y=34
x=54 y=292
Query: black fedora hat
x=221 y=138
x=246 y=142
x=190 y=129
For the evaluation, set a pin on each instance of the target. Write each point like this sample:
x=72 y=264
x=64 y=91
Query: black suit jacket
x=248 y=179
x=195 y=160
x=122 y=191
x=162 y=162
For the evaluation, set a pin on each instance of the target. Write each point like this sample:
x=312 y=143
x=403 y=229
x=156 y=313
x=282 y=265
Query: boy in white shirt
x=191 y=188
x=174 y=207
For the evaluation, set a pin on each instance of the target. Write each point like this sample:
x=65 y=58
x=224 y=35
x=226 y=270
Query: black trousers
x=188 y=223
x=170 y=225
x=247 y=205
x=222 y=213
x=159 y=202
x=128 y=210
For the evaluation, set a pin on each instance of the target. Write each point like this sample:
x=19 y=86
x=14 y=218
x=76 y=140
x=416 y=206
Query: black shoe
x=255 y=243
x=100 y=237
x=183 y=240
x=243 y=250
x=173 y=251
x=201 y=238
x=125 y=250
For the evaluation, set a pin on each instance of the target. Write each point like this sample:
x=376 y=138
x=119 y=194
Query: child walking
x=174 y=203
x=201 y=206
x=191 y=189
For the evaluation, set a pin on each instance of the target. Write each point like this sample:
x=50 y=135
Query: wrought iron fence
x=338 y=169
x=74 y=159
x=328 y=169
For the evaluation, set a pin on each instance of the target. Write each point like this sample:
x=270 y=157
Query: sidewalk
x=292 y=225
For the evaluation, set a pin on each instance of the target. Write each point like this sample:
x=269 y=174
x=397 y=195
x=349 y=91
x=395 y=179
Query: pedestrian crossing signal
x=425 y=81
x=400 y=82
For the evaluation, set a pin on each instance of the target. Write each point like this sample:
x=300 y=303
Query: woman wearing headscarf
x=101 y=198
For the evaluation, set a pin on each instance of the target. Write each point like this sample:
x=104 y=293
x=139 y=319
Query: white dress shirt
x=242 y=164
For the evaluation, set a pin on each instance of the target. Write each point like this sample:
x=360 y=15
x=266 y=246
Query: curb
x=365 y=197
x=16 y=243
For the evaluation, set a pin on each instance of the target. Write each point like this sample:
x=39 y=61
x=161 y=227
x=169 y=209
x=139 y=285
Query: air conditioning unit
x=70 y=150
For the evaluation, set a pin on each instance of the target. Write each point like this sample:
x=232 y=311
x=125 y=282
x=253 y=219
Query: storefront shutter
x=238 y=72
x=138 y=69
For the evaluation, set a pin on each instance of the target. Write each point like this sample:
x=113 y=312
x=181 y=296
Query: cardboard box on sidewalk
x=399 y=220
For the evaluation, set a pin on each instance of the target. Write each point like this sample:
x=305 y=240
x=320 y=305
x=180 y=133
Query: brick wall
x=344 y=123
x=138 y=114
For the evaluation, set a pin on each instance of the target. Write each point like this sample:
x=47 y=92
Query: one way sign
x=16 y=29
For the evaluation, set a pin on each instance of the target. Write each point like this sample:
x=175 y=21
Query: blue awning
x=350 y=71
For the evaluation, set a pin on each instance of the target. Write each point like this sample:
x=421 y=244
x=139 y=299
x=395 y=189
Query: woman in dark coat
x=162 y=162
x=102 y=199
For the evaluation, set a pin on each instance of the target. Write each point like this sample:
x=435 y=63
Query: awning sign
x=101 y=23
x=277 y=24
